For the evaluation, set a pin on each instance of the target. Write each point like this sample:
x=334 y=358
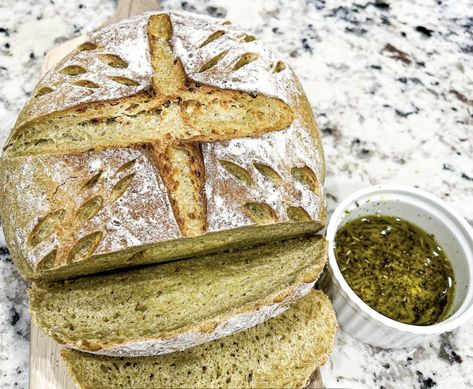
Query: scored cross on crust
x=161 y=120
x=205 y=114
x=177 y=116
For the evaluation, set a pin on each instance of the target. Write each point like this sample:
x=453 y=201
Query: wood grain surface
x=47 y=369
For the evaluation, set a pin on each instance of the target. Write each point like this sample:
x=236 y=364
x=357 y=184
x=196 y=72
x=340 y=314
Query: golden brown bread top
x=159 y=127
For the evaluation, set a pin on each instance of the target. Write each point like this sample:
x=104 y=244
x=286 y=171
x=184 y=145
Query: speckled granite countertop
x=391 y=83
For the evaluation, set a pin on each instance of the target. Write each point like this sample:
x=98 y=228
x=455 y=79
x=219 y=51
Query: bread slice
x=177 y=305
x=280 y=353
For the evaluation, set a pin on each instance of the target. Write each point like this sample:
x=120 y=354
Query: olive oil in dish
x=396 y=268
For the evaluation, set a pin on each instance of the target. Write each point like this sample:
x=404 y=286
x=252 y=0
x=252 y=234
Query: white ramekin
x=433 y=215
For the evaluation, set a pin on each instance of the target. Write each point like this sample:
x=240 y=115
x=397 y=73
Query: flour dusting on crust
x=280 y=150
x=128 y=40
x=258 y=76
x=143 y=215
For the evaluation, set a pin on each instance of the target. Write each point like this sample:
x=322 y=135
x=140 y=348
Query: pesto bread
x=173 y=306
x=164 y=136
x=280 y=353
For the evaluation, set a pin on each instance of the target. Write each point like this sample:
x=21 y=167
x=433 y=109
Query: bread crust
x=172 y=185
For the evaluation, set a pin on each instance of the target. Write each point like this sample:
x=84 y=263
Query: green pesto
x=396 y=268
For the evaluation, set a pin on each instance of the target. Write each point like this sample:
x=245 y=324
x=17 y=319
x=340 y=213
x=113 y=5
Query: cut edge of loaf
x=207 y=331
x=88 y=370
x=211 y=328
x=171 y=250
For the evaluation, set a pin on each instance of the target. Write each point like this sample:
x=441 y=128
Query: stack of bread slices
x=162 y=190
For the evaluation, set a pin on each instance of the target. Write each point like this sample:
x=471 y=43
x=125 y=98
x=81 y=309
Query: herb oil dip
x=396 y=268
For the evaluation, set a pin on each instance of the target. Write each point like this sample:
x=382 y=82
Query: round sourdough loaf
x=163 y=136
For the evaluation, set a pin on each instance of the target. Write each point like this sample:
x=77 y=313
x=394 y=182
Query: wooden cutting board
x=47 y=369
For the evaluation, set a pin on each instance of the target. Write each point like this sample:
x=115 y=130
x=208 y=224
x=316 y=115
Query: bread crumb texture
x=280 y=353
x=160 y=128
x=173 y=306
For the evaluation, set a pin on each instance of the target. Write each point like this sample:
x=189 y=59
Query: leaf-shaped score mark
x=86 y=84
x=247 y=38
x=298 y=214
x=279 y=66
x=85 y=247
x=89 y=209
x=120 y=187
x=73 y=70
x=212 y=37
x=47 y=262
x=124 y=80
x=261 y=213
x=306 y=177
x=113 y=61
x=126 y=166
x=43 y=91
x=86 y=46
x=213 y=61
x=268 y=172
x=90 y=183
x=238 y=172
x=244 y=60
x=45 y=227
